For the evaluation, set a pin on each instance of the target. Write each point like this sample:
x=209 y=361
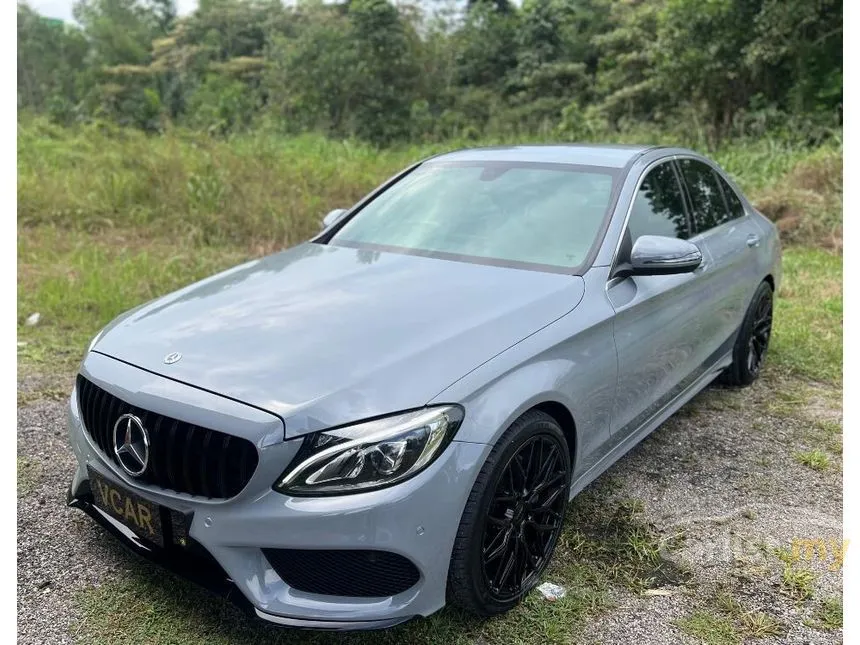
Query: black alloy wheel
x=525 y=518
x=513 y=517
x=760 y=334
x=753 y=338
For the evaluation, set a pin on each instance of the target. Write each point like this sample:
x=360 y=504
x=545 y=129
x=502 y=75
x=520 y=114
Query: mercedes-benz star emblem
x=172 y=358
x=131 y=444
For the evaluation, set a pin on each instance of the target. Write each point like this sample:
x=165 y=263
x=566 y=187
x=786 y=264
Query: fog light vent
x=358 y=573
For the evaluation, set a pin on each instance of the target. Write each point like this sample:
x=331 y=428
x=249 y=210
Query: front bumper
x=416 y=519
x=196 y=565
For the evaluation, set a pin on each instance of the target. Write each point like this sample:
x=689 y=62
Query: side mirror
x=658 y=255
x=333 y=217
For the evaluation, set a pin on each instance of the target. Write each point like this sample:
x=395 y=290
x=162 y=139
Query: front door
x=659 y=320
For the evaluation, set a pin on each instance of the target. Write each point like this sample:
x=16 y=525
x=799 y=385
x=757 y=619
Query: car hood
x=323 y=335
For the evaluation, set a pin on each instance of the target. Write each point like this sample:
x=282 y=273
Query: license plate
x=141 y=516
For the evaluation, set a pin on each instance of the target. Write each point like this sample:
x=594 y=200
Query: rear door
x=661 y=319
x=722 y=226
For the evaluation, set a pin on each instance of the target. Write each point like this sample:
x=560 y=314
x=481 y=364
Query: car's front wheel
x=513 y=517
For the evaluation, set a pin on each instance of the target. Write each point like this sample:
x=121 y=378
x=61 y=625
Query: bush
x=806 y=203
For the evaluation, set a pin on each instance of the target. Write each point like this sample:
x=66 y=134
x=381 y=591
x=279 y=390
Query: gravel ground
x=59 y=553
x=721 y=473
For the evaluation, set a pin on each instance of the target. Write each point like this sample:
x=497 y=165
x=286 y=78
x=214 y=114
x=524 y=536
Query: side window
x=709 y=209
x=658 y=208
x=736 y=208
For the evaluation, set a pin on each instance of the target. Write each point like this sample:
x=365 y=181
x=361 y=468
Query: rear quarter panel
x=770 y=257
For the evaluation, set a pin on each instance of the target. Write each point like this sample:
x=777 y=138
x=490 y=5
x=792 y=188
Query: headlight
x=370 y=455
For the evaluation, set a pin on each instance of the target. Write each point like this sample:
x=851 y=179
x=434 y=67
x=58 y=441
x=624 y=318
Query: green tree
x=796 y=54
x=625 y=80
x=386 y=70
x=305 y=81
x=486 y=46
x=699 y=57
x=51 y=64
x=120 y=32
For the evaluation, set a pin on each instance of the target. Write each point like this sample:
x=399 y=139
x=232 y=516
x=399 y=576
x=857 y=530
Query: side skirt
x=650 y=425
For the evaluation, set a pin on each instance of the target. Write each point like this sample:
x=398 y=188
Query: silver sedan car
x=393 y=415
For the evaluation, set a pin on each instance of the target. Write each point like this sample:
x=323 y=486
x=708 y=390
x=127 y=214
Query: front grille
x=182 y=457
x=358 y=573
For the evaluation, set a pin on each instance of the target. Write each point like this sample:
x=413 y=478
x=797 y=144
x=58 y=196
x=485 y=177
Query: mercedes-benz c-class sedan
x=393 y=415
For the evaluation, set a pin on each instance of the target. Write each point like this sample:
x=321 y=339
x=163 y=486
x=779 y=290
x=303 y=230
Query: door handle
x=753 y=240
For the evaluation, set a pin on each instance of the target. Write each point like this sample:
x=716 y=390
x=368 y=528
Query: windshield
x=518 y=213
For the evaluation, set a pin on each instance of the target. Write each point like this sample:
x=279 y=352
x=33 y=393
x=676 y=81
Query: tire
x=509 y=498
x=753 y=339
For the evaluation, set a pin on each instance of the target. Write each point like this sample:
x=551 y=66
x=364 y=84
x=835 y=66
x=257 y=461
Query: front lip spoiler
x=330 y=625
x=212 y=578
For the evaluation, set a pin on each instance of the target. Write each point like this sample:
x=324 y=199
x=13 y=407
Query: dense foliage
x=572 y=69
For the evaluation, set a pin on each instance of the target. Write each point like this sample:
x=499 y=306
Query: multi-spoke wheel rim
x=760 y=336
x=524 y=518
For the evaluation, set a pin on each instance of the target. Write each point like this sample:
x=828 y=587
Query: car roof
x=608 y=155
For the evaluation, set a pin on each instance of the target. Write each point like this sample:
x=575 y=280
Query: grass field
x=110 y=219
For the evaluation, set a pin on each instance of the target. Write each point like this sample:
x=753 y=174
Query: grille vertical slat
x=171 y=455
x=222 y=466
x=155 y=456
x=207 y=438
x=94 y=414
x=104 y=415
x=100 y=421
x=112 y=414
x=85 y=400
x=186 y=459
x=183 y=457
x=91 y=412
x=242 y=463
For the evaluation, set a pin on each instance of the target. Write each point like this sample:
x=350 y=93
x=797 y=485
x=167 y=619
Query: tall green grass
x=199 y=189
x=256 y=189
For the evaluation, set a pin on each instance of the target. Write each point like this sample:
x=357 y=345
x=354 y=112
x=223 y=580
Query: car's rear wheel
x=513 y=517
x=753 y=339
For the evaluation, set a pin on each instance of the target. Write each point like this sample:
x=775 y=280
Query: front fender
x=572 y=361
x=492 y=411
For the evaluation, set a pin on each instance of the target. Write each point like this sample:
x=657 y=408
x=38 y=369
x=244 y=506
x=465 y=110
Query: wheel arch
x=564 y=418
x=494 y=415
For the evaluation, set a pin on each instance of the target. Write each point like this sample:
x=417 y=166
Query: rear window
x=736 y=207
x=709 y=208
x=526 y=213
